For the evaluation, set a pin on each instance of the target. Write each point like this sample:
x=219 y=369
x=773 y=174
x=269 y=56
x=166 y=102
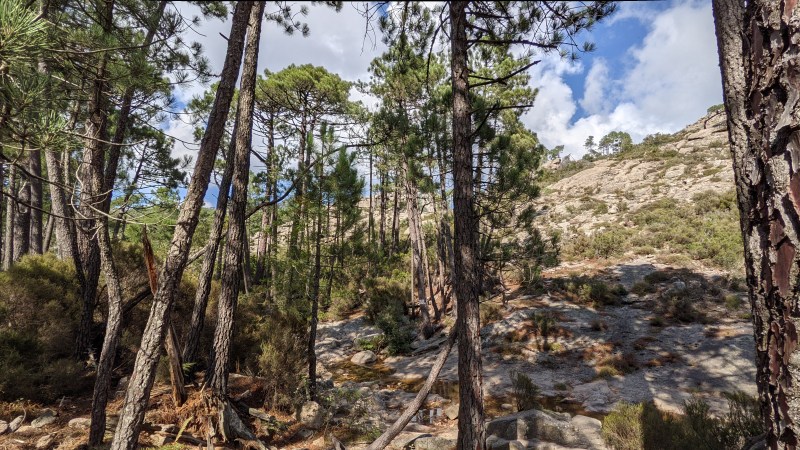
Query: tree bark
x=141 y=382
x=35 y=168
x=11 y=209
x=757 y=49
x=471 y=427
x=217 y=375
x=113 y=333
x=90 y=199
x=197 y=322
x=312 y=333
x=22 y=219
x=417 y=247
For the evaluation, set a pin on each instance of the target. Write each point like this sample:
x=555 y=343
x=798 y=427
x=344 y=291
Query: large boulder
x=312 y=415
x=47 y=417
x=596 y=396
x=539 y=425
x=428 y=442
x=364 y=358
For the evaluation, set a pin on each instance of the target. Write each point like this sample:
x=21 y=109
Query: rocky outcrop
x=539 y=429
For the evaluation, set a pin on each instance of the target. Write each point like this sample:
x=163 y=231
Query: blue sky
x=655 y=69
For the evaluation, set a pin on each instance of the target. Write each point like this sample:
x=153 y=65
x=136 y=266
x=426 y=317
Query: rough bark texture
x=417 y=247
x=758 y=47
x=197 y=323
x=471 y=427
x=412 y=408
x=11 y=210
x=312 y=332
x=93 y=159
x=234 y=247
x=141 y=381
x=22 y=221
x=105 y=365
x=35 y=168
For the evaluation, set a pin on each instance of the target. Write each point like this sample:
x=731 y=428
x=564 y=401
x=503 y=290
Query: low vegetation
x=705 y=229
x=644 y=426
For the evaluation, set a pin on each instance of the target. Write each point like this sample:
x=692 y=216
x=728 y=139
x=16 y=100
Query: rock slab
x=363 y=358
x=312 y=415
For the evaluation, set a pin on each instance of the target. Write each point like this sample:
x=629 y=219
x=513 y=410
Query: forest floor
x=585 y=343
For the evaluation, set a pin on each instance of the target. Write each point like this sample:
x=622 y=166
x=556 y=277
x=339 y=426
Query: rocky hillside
x=670 y=196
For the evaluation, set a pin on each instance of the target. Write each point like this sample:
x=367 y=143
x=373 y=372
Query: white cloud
x=673 y=79
x=594 y=99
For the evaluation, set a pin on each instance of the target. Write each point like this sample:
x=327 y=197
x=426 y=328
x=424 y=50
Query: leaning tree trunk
x=197 y=322
x=113 y=333
x=471 y=427
x=757 y=49
x=234 y=246
x=141 y=380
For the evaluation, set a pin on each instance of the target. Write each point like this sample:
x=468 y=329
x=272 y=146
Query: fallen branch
x=419 y=400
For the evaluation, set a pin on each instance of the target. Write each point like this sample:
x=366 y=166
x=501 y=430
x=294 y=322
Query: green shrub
x=39 y=315
x=385 y=306
x=733 y=301
x=641 y=288
x=524 y=392
x=643 y=426
x=622 y=429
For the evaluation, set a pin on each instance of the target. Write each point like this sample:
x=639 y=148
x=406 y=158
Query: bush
x=643 y=426
x=622 y=429
x=524 y=392
x=39 y=313
x=385 y=306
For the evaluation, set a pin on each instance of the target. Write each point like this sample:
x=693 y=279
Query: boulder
x=312 y=415
x=15 y=424
x=80 y=422
x=495 y=443
x=3 y=427
x=364 y=357
x=595 y=396
x=46 y=418
x=451 y=411
x=45 y=442
x=539 y=425
x=427 y=442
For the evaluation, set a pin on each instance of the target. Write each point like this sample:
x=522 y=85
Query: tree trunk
x=113 y=333
x=757 y=47
x=471 y=427
x=141 y=381
x=35 y=168
x=382 y=226
x=11 y=210
x=22 y=220
x=123 y=116
x=90 y=199
x=395 y=219
x=48 y=233
x=217 y=375
x=197 y=322
x=417 y=255
x=266 y=214
x=312 y=333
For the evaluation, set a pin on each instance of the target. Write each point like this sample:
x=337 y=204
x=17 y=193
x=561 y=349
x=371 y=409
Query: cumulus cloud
x=594 y=99
x=674 y=77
